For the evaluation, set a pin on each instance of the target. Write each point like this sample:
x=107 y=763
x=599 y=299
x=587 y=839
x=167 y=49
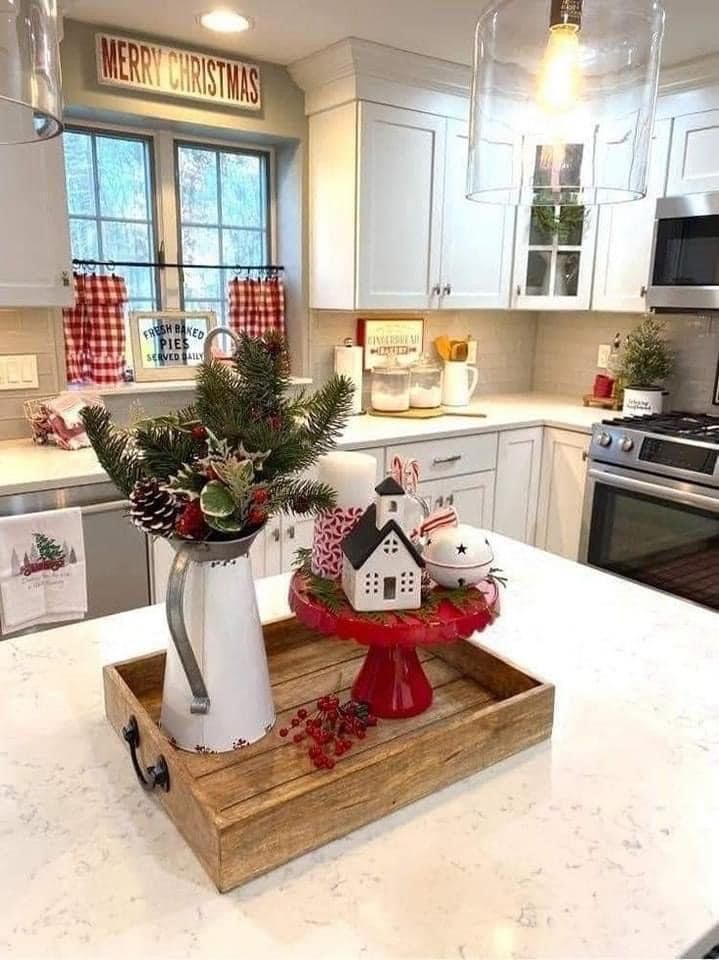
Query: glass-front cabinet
x=556 y=237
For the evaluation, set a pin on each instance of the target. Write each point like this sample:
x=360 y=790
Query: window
x=111 y=203
x=222 y=202
x=210 y=205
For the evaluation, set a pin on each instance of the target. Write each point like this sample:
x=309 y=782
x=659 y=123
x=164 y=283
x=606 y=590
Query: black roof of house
x=389 y=488
x=364 y=538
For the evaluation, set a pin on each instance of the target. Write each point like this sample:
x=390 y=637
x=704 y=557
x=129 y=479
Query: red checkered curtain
x=257 y=307
x=95 y=330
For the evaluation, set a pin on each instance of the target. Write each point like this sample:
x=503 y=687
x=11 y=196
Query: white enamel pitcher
x=216 y=694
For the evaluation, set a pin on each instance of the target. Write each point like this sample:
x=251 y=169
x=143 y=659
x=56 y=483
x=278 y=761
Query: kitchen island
x=602 y=842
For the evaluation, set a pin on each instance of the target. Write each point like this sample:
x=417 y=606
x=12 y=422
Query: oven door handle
x=633 y=484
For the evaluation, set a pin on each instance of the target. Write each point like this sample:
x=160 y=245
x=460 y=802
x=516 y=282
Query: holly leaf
x=238 y=476
x=216 y=501
x=229 y=524
x=187 y=480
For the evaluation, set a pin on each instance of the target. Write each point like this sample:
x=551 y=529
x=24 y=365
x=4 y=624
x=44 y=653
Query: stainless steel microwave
x=685 y=258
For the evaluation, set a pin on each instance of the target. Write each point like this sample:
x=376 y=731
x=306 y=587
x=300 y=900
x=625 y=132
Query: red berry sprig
x=331 y=730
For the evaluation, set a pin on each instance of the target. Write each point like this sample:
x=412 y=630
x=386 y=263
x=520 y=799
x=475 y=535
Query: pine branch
x=327 y=413
x=217 y=404
x=164 y=448
x=114 y=448
x=301 y=497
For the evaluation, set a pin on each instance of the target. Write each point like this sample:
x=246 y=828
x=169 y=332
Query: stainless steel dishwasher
x=116 y=553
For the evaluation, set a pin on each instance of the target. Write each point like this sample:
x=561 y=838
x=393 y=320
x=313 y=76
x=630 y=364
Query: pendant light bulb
x=560 y=76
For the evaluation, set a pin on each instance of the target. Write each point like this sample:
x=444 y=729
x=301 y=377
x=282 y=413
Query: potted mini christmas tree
x=645 y=364
x=207 y=478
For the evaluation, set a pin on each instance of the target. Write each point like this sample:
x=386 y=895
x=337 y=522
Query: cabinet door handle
x=276 y=534
x=447 y=290
x=453 y=459
x=439 y=502
x=643 y=291
x=519 y=290
x=65 y=278
x=291 y=532
x=436 y=290
x=585 y=455
x=450 y=500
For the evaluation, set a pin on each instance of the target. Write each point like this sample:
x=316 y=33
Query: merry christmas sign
x=172 y=71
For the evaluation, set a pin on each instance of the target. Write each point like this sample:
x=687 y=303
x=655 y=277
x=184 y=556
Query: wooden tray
x=246 y=812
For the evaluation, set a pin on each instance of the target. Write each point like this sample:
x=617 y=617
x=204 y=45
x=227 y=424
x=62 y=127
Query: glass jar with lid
x=390 y=387
x=425 y=388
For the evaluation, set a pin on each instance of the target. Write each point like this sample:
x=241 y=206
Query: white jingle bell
x=459 y=556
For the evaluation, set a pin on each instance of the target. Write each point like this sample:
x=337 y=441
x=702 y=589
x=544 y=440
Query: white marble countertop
x=603 y=842
x=25 y=467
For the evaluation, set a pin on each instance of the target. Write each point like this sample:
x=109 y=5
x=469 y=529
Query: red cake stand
x=392 y=679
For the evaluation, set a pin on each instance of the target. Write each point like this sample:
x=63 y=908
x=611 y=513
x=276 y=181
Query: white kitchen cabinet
x=35 y=261
x=472 y=496
x=625 y=236
x=554 y=259
x=561 y=491
x=694 y=156
x=477 y=238
x=516 y=495
x=401 y=174
x=390 y=227
x=447 y=457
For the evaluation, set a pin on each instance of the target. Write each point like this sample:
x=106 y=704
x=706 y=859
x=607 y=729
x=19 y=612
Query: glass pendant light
x=30 y=88
x=563 y=100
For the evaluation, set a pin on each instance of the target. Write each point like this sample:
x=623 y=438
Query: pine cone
x=153 y=509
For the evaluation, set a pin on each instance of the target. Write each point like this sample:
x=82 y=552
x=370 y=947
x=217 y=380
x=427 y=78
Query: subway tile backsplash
x=30 y=331
x=506 y=343
x=566 y=354
x=518 y=351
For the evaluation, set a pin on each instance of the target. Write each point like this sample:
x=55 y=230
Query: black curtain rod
x=162 y=264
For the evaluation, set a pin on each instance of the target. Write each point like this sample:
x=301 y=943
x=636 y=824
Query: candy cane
x=411 y=476
x=397 y=469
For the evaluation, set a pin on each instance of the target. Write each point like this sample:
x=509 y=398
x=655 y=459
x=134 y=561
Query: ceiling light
x=563 y=101
x=225 y=21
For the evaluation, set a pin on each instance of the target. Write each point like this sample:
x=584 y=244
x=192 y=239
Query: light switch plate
x=19 y=372
x=603 y=355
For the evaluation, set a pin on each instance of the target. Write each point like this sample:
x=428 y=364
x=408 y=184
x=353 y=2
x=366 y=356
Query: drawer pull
x=453 y=459
x=151 y=777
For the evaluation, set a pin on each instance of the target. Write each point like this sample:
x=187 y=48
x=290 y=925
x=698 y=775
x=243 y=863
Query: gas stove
x=682 y=446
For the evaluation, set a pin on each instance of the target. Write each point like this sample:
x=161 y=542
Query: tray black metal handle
x=151 y=777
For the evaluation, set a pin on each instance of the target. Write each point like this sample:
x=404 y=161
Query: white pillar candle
x=353 y=477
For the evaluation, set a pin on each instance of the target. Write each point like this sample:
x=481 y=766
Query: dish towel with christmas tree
x=42 y=569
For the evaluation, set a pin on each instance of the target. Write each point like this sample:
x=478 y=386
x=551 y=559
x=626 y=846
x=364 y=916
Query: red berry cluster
x=331 y=729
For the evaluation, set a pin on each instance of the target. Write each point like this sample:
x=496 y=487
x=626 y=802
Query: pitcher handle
x=178 y=631
x=474 y=377
x=213 y=335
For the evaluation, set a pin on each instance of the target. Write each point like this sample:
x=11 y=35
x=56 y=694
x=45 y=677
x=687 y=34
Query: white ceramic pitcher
x=459 y=383
x=216 y=693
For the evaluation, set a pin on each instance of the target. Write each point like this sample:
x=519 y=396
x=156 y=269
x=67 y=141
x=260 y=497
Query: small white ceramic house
x=381 y=569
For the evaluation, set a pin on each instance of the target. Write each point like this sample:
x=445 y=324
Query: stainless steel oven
x=685 y=259
x=651 y=509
